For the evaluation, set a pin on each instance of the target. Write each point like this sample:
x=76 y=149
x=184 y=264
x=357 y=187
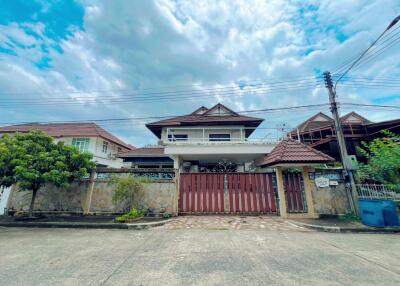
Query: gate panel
x=294 y=192
x=247 y=193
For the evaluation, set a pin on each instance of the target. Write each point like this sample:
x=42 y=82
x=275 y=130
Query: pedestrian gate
x=294 y=192
x=248 y=193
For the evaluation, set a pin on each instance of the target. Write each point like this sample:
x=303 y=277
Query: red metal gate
x=227 y=193
x=294 y=192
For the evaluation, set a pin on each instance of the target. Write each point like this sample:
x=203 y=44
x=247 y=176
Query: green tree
x=126 y=188
x=383 y=155
x=34 y=159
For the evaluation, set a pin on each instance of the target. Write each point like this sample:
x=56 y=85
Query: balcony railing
x=215 y=135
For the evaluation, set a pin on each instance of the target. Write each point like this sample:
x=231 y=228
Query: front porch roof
x=289 y=151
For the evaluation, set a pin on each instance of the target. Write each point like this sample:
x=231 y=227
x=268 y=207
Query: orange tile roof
x=143 y=152
x=291 y=151
x=59 y=130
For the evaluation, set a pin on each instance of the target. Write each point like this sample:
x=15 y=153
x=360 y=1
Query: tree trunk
x=34 y=192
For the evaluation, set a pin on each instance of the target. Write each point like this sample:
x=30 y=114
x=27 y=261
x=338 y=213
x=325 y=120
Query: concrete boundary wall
x=95 y=197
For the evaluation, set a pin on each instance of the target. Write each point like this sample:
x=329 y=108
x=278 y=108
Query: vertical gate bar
x=215 y=193
x=236 y=186
x=187 y=189
x=210 y=192
x=294 y=193
x=288 y=191
x=204 y=191
x=300 y=192
x=267 y=189
x=260 y=190
x=193 y=194
x=181 y=188
x=248 y=187
x=242 y=189
x=230 y=192
x=254 y=193
x=198 y=191
x=222 y=192
x=271 y=191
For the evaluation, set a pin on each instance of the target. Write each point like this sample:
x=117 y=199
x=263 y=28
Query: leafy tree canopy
x=383 y=155
x=34 y=159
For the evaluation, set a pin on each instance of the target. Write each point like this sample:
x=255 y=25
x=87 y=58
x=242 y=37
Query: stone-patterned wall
x=157 y=196
x=51 y=198
x=330 y=200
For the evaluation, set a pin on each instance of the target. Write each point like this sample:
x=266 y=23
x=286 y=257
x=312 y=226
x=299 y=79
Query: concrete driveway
x=197 y=256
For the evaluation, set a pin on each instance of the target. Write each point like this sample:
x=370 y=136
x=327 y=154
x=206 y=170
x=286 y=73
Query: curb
x=337 y=229
x=136 y=226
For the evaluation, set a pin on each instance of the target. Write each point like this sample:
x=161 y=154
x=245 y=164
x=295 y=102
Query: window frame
x=105 y=146
x=219 y=137
x=177 y=137
x=81 y=143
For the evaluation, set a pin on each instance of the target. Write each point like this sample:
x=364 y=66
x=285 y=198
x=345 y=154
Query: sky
x=82 y=60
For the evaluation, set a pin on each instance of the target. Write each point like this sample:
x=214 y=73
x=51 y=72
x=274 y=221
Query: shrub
x=126 y=187
x=134 y=213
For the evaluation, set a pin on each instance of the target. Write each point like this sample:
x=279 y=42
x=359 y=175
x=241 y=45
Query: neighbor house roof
x=216 y=115
x=59 y=130
x=144 y=152
x=321 y=121
x=291 y=151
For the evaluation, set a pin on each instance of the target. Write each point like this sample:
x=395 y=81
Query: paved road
x=161 y=256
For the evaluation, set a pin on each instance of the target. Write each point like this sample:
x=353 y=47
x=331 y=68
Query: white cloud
x=147 y=45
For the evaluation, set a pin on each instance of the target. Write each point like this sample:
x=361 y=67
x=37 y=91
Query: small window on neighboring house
x=82 y=144
x=105 y=146
x=177 y=137
x=119 y=149
x=219 y=137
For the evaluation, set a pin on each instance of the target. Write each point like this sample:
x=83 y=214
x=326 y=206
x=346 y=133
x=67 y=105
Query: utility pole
x=352 y=195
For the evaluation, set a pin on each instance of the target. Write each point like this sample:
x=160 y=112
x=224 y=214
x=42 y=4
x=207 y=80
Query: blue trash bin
x=378 y=213
x=390 y=215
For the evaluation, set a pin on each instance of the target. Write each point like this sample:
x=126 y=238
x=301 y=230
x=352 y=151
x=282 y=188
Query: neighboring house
x=319 y=132
x=210 y=140
x=146 y=158
x=85 y=136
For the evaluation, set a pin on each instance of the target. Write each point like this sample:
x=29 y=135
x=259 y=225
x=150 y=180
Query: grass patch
x=350 y=217
x=133 y=214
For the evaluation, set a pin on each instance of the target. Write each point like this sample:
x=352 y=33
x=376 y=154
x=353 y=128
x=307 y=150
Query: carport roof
x=291 y=151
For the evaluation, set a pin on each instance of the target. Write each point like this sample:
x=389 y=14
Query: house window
x=119 y=149
x=219 y=137
x=105 y=146
x=177 y=137
x=82 y=144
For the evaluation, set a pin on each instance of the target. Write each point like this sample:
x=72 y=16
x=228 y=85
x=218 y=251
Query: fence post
x=308 y=192
x=281 y=192
x=89 y=193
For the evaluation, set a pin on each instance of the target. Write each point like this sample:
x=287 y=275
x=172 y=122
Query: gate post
x=89 y=193
x=308 y=193
x=281 y=192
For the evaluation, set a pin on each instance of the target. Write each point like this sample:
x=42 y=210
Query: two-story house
x=87 y=137
x=207 y=140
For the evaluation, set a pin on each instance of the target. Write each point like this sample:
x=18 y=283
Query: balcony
x=211 y=136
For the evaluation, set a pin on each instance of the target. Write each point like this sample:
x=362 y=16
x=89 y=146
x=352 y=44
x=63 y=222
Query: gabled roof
x=217 y=115
x=291 y=151
x=144 y=152
x=354 y=117
x=59 y=130
x=220 y=110
x=319 y=120
x=200 y=110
